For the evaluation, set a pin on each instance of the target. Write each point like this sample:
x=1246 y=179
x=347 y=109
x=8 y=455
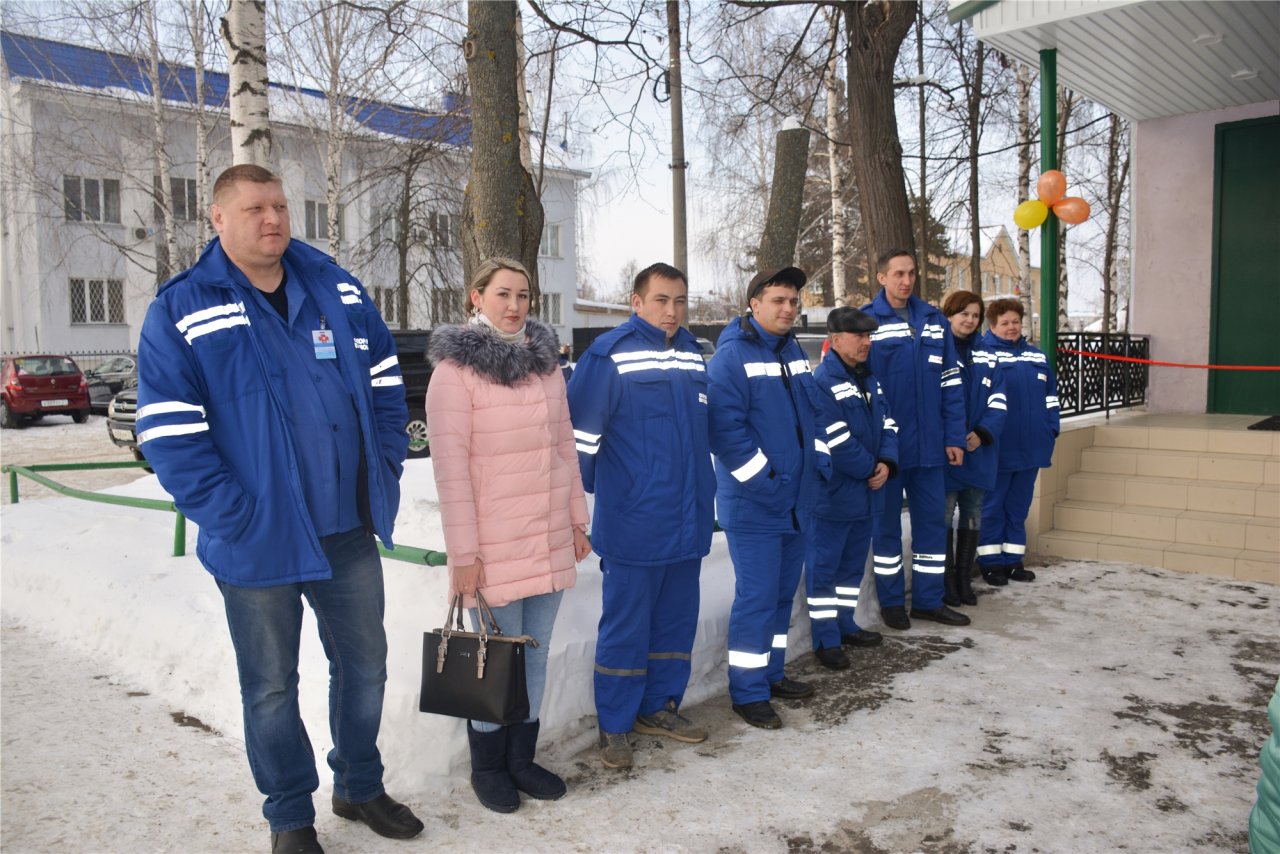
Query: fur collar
x=477 y=348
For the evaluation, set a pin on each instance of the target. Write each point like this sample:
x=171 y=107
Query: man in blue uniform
x=763 y=436
x=862 y=439
x=914 y=359
x=638 y=399
x=271 y=406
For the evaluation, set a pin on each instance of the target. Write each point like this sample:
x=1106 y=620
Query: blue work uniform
x=639 y=410
x=1025 y=447
x=763 y=434
x=859 y=432
x=915 y=362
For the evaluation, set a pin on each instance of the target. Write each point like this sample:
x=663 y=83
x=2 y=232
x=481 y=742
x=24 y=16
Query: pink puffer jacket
x=505 y=464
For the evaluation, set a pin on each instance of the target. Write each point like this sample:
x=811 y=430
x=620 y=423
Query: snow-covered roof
x=71 y=65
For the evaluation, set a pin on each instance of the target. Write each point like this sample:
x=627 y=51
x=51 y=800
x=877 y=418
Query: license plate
x=121 y=436
x=54 y=402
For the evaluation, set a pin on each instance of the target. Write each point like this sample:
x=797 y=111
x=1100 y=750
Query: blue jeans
x=536 y=617
x=266 y=630
x=970 y=501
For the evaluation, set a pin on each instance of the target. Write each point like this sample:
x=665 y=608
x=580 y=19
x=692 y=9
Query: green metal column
x=1049 y=231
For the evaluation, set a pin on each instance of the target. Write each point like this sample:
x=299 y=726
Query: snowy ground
x=1105 y=707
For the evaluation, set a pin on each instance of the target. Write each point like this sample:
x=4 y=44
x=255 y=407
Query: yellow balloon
x=1030 y=214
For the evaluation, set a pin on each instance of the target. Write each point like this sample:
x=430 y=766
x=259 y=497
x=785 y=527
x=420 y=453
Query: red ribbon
x=1170 y=364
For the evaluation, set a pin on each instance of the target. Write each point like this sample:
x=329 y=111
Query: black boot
x=950 y=589
x=966 y=550
x=489 y=776
x=996 y=576
x=530 y=778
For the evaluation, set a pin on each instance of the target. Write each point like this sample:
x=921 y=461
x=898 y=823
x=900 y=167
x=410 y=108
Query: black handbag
x=474 y=675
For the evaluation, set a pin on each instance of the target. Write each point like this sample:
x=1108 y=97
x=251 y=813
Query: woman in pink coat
x=515 y=516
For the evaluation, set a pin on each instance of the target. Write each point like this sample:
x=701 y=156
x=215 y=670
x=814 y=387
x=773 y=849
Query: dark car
x=411 y=345
x=36 y=386
x=414 y=367
x=106 y=380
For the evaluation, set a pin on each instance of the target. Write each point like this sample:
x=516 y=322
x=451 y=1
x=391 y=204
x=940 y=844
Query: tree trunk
x=165 y=227
x=522 y=97
x=1117 y=173
x=922 y=249
x=203 y=229
x=837 y=286
x=1066 y=104
x=786 y=199
x=501 y=213
x=675 y=84
x=974 y=103
x=244 y=34
x=1025 y=129
x=874 y=31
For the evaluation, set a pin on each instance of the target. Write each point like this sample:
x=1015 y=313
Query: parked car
x=106 y=380
x=411 y=345
x=36 y=386
x=811 y=343
x=708 y=349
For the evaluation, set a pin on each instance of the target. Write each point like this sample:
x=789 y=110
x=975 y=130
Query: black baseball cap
x=792 y=276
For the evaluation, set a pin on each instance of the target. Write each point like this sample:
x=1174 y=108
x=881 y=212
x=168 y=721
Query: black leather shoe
x=862 y=638
x=996 y=576
x=1018 y=572
x=300 y=841
x=895 y=617
x=385 y=817
x=832 y=658
x=790 y=689
x=941 y=614
x=759 y=714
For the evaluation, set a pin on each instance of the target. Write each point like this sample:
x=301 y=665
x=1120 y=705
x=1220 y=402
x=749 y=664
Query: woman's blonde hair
x=489 y=268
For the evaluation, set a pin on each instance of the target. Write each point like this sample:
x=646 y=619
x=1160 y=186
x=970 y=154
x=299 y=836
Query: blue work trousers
x=534 y=616
x=266 y=630
x=766 y=566
x=835 y=559
x=645 y=642
x=926 y=491
x=1003 y=538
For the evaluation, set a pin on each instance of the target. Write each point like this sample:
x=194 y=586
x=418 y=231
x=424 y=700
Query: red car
x=35 y=386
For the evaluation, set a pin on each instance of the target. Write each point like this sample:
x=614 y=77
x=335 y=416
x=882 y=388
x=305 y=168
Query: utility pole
x=680 y=231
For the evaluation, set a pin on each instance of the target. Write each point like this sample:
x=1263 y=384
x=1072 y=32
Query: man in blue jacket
x=638 y=399
x=914 y=359
x=271 y=406
x=763 y=436
x=862 y=439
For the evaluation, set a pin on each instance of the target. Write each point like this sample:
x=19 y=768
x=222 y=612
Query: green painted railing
x=409 y=554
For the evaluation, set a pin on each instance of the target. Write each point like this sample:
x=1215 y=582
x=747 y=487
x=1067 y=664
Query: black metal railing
x=1087 y=383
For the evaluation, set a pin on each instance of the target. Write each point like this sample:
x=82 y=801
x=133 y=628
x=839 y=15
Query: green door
x=1245 y=321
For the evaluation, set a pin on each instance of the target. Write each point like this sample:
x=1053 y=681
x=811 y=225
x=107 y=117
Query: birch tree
x=244 y=35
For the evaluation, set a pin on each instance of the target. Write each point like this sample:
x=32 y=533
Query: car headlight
x=111 y=408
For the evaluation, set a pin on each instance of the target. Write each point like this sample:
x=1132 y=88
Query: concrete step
x=1264 y=443
x=1253 y=469
x=1214 y=496
x=1244 y=564
x=1169 y=525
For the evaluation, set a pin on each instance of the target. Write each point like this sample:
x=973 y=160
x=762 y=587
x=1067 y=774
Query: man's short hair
x=882 y=263
x=666 y=271
x=243 y=172
x=958 y=301
x=1004 y=306
x=788 y=277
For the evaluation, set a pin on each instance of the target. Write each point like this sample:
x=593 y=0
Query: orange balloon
x=1051 y=187
x=1072 y=210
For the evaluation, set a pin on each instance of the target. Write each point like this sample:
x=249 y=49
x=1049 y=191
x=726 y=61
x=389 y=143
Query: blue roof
x=72 y=65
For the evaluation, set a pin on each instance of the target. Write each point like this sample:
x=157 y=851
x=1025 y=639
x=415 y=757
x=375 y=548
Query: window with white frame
x=387 y=226
x=385 y=300
x=550 y=245
x=448 y=305
x=549 y=308
x=91 y=199
x=97 y=301
x=440 y=228
x=317 y=220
